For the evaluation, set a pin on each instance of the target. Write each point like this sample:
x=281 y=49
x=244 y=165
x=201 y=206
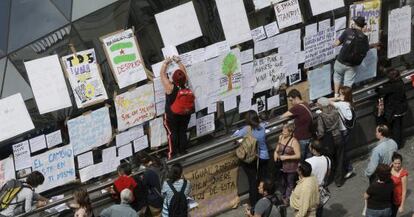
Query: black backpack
x=355 y=48
x=277 y=201
x=349 y=124
x=178 y=206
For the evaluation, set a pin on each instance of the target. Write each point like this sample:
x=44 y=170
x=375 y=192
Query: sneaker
x=235 y=202
x=349 y=174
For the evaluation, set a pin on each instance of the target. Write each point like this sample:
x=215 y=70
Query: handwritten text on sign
x=124 y=57
x=135 y=107
x=57 y=165
x=319 y=47
x=268 y=72
x=90 y=130
x=214 y=184
x=288 y=13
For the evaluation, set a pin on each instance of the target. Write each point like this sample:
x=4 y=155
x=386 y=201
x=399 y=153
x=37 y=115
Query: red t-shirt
x=397 y=180
x=303 y=121
x=123 y=182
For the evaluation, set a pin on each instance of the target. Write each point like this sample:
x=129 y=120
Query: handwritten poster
x=399 y=32
x=318 y=47
x=234 y=20
x=21 y=153
x=371 y=10
x=124 y=57
x=37 y=143
x=14 y=117
x=178 y=25
x=258 y=33
x=271 y=29
x=322 y=6
x=268 y=72
x=56 y=165
x=205 y=124
x=214 y=184
x=125 y=151
x=135 y=107
x=53 y=139
x=198 y=76
x=90 y=130
x=288 y=13
x=368 y=67
x=7 y=171
x=129 y=135
x=320 y=82
x=140 y=143
x=85 y=159
x=85 y=78
x=48 y=84
x=229 y=74
x=158 y=135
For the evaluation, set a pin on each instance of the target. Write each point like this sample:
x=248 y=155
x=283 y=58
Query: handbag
x=278 y=162
x=324 y=193
x=247 y=150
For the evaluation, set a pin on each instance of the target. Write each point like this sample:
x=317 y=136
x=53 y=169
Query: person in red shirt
x=399 y=178
x=302 y=115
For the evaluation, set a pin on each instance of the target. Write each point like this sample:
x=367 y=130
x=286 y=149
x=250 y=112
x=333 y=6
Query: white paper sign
x=324 y=24
x=53 y=139
x=198 y=76
x=259 y=4
x=399 y=32
x=205 y=125
x=193 y=121
x=38 y=143
x=56 y=165
x=368 y=67
x=268 y=72
x=234 y=20
x=319 y=48
x=288 y=13
x=14 y=117
x=322 y=6
x=125 y=151
x=169 y=51
x=129 y=135
x=320 y=82
x=311 y=29
x=230 y=103
x=271 y=29
x=340 y=23
x=246 y=56
x=90 y=130
x=48 y=84
x=84 y=78
x=178 y=25
x=158 y=135
x=134 y=107
x=124 y=57
x=85 y=160
x=248 y=78
x=7 y=171
x=258 y=33
x=140 y=143
x=273 y=102
x=21 y=153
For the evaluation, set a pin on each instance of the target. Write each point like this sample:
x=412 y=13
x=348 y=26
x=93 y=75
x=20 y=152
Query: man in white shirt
x=320 y=166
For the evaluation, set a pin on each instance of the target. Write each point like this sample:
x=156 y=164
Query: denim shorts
x=378 y=213
x=343 y=74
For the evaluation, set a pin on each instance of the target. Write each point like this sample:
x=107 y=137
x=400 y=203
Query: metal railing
x=273 y=128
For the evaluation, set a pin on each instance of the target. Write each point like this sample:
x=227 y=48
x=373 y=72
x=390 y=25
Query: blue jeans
x=304 y=149
x=378 y=213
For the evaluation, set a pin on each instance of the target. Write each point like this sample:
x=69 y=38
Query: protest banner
x=371 y=10
x=56 y=165
x=85 y=78
x=399 y=32
x=319 y=47
x=90 y=130
x=214 y=184
x=135 y=106
x=288 y=13
x=268 y=72
x=123 y=54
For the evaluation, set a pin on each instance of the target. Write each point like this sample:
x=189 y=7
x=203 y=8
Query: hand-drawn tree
x=228 y=68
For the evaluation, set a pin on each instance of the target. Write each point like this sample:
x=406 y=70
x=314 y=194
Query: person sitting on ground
x=379 y=194
x=399 y=178
x=302 y=115
x=353 y=41
x=320 y=167
x=382 y=153
x=124 y=209
x=328 y=133
x=344 y=104
x=24 y=200
x=305 y=197
x=264 y=207
x=82 y=204
x=178 y=182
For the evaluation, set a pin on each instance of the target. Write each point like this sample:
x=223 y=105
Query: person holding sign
x=24 y=199
x=179 y=106
x=355 y=47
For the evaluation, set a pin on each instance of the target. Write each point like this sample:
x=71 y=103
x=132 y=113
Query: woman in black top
x=380 y=193
x=175 y=125
x=394 y=106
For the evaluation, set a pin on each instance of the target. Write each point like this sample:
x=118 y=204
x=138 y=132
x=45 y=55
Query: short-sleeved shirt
x=263 y=209
x=319 y=167
x=303 y=121
x=345 y=39
x=22 y=203
x=380 y=195
x=260 y=135
x=344 y=109
x=397 y=180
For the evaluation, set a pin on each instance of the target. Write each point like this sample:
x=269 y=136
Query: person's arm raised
x=166 y=83
x=181 y=65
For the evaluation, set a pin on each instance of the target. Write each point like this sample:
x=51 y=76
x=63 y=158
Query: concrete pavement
x=347 y=200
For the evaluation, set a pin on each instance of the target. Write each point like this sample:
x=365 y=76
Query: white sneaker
x=349 y=174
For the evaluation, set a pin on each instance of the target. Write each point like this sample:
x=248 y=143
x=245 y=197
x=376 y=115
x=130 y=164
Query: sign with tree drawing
x=122 y=51
x=85 y=78
x=229 y=74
